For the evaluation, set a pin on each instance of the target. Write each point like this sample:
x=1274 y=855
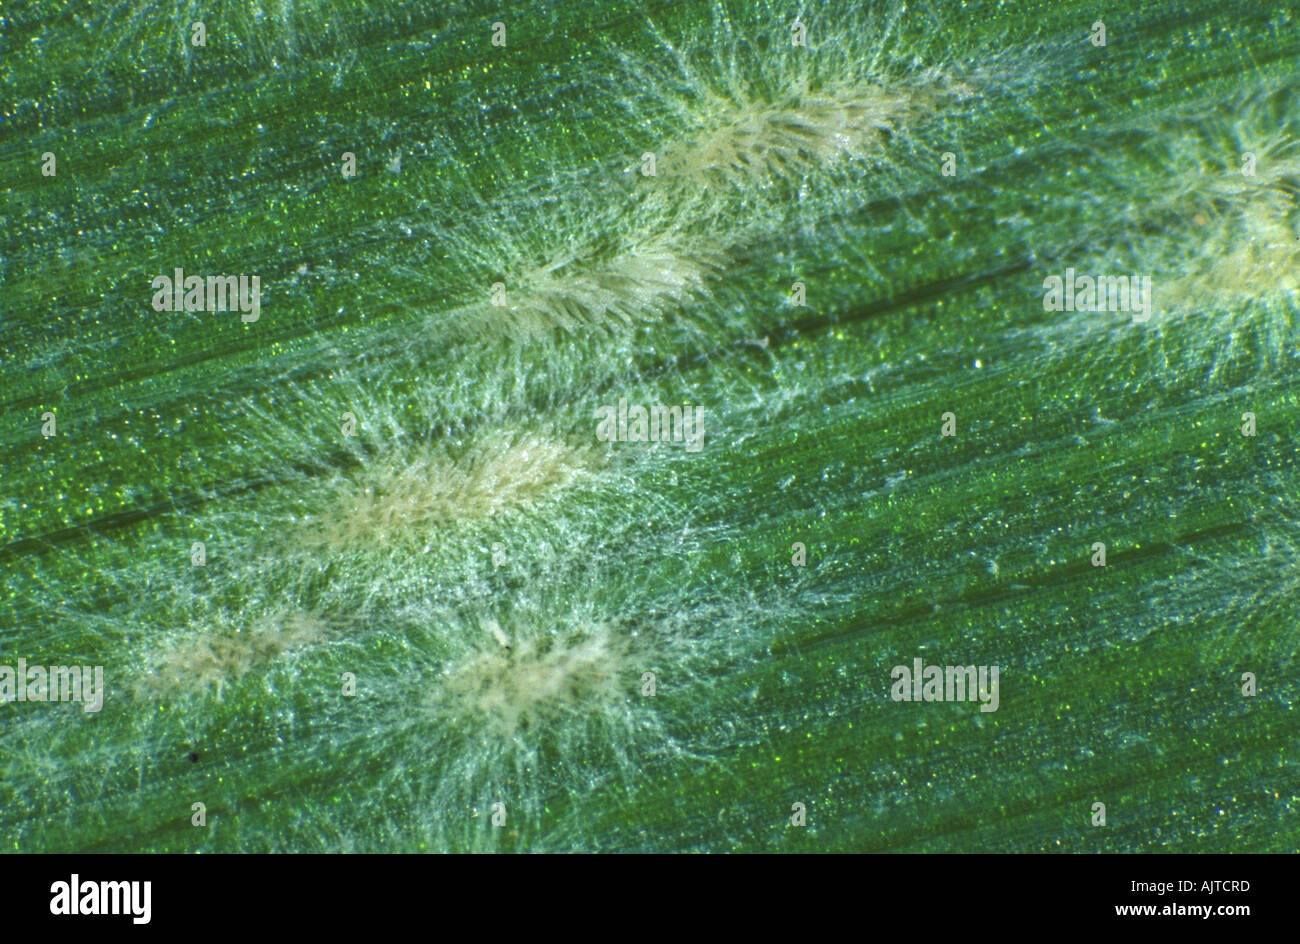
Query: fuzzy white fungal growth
x=407 y=494
x=1213 y=219
x=570 y=294
x=732 y=118
x=751 y=141
x=1260 y=256
x=218 y=656
x=537 y=703
x=266 y=31
x=1249 y=224
x=508 y=688
x=719 y=123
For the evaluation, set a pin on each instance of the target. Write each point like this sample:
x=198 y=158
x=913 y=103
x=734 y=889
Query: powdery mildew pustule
x=725 y=115
x=1229 y=250
x=406 y=495
x=1262 y=245
x=511 y=686
x=1237 y=198
x=1209 y=210
x=751 y=141
x=221 y=655
x=535 y=704
x=579 y=291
